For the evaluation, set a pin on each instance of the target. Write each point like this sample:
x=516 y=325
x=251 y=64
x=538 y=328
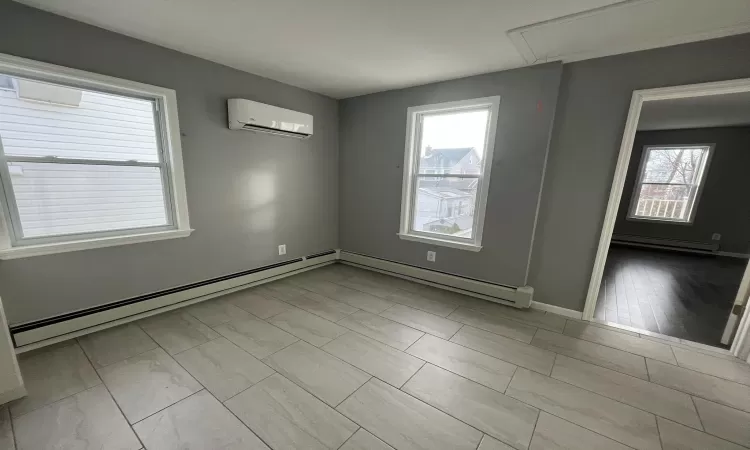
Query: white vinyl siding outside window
x=670 y=181
x=447 y=164
x=86 y=161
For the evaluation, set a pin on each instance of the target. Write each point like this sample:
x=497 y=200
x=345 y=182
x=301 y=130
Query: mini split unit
x=253 y=116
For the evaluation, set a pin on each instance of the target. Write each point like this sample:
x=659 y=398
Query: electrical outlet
x=431 y=256
x=716 y=237
x=282 y=249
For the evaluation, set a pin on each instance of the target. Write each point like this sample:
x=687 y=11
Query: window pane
x=665 y=202
x=58 y=199
x=42 y=119
x=674 y=165
x=453 y=143
x=445 y=206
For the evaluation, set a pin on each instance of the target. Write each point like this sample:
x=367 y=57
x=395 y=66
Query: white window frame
x=639 y=182
x=411 y=165
x=168 y=129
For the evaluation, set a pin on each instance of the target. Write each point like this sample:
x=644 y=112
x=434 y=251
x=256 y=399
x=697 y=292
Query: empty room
x=680 y=243
x=481 y=225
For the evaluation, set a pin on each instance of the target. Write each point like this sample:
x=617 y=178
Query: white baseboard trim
x=565 y=312
x=519 y=297
x=40 y=336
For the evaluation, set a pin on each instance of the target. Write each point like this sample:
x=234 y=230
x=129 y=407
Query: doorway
x=672 y=260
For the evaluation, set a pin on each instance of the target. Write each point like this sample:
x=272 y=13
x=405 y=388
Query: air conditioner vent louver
x=260 y=118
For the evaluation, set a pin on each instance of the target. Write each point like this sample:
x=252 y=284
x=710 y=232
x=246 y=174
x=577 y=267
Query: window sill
x=440 y=242
x=61 y=247
x=658 y=220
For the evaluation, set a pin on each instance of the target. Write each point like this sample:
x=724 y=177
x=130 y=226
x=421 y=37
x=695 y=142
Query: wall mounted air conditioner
x=253 y=116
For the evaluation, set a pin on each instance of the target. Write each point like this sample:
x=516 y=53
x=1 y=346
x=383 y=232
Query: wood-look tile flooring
x=342 y=358
x=683 y=295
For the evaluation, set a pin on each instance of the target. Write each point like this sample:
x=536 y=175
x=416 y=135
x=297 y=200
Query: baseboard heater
x=519 y=297
x=31 y=335
x=674 y=244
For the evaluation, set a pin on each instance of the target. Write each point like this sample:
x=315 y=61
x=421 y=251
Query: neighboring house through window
x=86 y=161
x=670 y=181
x=446 y=172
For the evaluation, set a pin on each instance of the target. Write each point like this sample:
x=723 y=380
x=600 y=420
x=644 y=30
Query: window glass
x=80 y=161
x=669 y=183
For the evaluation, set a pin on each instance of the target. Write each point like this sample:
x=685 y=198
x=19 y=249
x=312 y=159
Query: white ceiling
x=696 y=112
x=344 y=48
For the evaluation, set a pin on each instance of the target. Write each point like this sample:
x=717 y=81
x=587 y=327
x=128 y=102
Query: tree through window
x=669 y=183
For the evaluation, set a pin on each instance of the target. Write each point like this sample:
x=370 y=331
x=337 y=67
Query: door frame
x=741 y=345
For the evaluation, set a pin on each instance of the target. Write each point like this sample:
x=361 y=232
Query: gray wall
x=373 y=128
x=590 y=120
x=247 y=193
x=722 y=207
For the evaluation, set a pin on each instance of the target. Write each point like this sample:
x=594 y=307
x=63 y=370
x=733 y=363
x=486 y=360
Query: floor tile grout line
x=658 y=431
x=608 y=346
x=97 y=369
x=350 y=437
x=697 y=412
x=503 y=335
x=481 y=440
x=454 y=334
x=574 y=423
x=495 y=357
x=620 y=401
x=385 y=318
x=311 y=393
x=114 y=400
x=400 y=388
x=63 y=398
x=347 y=397
x=397 y=290
x=406 y=350
x=235 y=415
x=700 y=396
x=515 y=319
x=13 y=427
x=418 y=310
x=451 y=415
x=249 y=387
x=311 y=312
x=533 y=430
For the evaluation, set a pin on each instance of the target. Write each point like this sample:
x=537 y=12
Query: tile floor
x=341 y=358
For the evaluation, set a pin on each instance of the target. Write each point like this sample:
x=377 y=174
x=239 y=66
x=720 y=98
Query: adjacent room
x=336 y=225
x=681 y=239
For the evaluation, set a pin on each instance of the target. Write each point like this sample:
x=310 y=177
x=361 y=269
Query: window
x=86 y=161
x=669 y=183
x=447 y=170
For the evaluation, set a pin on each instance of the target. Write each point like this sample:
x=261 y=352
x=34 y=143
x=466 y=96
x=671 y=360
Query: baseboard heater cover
x=519 y=297
x=30 y=335
x=667 y=243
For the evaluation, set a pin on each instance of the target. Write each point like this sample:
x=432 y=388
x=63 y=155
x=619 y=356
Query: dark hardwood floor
x=684 y=295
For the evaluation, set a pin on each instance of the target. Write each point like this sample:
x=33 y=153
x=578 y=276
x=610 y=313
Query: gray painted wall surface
x=373 y=129
x=593 y=105
x=722 y=207
x=247 y=193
